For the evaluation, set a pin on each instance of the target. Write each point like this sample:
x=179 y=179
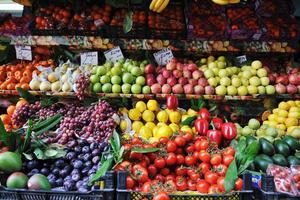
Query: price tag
x=114 y=54
x=23 y=52
x=256 y=36
x=241 y=59
x=89 y=58
x=163 y=56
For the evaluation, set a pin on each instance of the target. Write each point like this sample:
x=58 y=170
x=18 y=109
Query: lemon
x=275 y=111
x=186 y=129
x=136 y=126
x=284 y=105
x=164 y=131
x=191 y=112
x=292 y=103
x=162 y=116
x=297 y=102
x=154 y=131
x=148 y=116
x=174 y=127
x=280 y=132
x=273 y=117
x=141 y=106
x=291 y=122
x=153 y=105
x=123 y=125
x=272 y=124
x=153 y=139
x=294 y=115
x=174 y=117
x=145 y=133
x=290 y=129
x=283 y=113
x=159 y=124
x=281 y=127
x=134 y=114
x=281 y=120
x=150 y=125
x=184 y=117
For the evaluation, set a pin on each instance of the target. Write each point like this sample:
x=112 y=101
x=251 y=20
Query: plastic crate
x=107 y=193
x=123 y=194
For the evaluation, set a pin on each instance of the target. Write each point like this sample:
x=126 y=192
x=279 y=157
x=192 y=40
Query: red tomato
x=171 y=146
x=171 y=159
x=181 y=183
x=220 y=183
x=152 y=170
x=196 y=155
x=170 y=186
x=125 y=165
x=213 y=189
x=163 y=140
x=203 y=144
x=211 y=177
x=216 y=159
x=204 y=156
x=194 y=176
x=146 y=187
x=170 y=177
x=204 y=167
x=238 y=184
x=179 y=151
x=159 y=163
x=152 y=156
x=165 y=171
x=190 y=160
x=227 y=159
x=188 y=137
x=143 y=163
x=220 y=169
x=197 y=145
x=229 y=151
x=136 y=140
x=135 y=156
x=202 y=186
x=180 y=171
x=192 y=185
x=180 y=159
x=161 y=196
x=129 y=182
x=160 y=178
x=180 y=141
x=140 y=173
x=190 y=149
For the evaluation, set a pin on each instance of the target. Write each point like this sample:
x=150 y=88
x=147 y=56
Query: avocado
x=293 y=160
x=280 y=160
x=262 y=162
x=10 y=162
x=282 y=148
x=292 y=142
x=38 y=182
x=17 y=180
x=266 y=147
x=250 y=139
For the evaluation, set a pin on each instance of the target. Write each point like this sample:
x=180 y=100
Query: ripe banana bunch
x=158 y=5
x=225 y=2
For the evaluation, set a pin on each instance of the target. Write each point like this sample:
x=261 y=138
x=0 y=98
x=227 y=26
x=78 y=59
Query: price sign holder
x=23 y=52
x=163 y=56
x=89 y=58
x=114 y=54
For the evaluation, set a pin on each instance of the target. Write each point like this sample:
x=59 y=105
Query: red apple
x=158 y=69
x=177 y=89
x=166 y=73
x=156 y=88
x=291 y=89
x=149 y=69
x=293 y=79
x=183 y=81
x=177 y=73
x=179 y=66
x=188 y=89
x=209 y=90
x=280 y=88
x=193 y=82
x=283 y=79
x=203 y=82
x=172 y=81
x=150 y=81
x=166 y=89
x=197 y=74
x=198 y=89
x=161 y=80
x=187 y=74
x=192 y=67
x=171 y=66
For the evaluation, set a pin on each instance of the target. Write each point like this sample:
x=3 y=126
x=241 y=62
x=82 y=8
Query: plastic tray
x=123 y=194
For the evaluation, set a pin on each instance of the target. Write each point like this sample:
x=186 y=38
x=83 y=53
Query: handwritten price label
x=89 y=58
x=163 y=56
x=114 y=54
x=23 y=52
x=241 y=60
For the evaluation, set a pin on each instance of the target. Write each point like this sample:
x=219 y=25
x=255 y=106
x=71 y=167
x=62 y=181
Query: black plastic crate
x=104 y=190
x=123 y=194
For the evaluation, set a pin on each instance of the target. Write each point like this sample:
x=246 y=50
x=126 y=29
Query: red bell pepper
x=172 y=102
x=204 y=114
x=229 y=131
x=217 y=122
x=214 y=135
x=201 y=126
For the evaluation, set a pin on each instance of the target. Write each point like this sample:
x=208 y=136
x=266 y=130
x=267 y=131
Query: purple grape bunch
x=24 y=112
x=82 y=83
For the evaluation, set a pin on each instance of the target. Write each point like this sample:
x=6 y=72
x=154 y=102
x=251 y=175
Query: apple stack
x=232 y=80
x=121 y=77
x=177 y=78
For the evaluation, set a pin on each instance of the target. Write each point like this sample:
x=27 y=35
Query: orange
x=10 y=110
x=21 y=102
x=25 y=86
x=5 y=119
x=11 y=86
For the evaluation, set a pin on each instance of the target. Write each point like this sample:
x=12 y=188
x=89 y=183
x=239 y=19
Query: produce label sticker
x=114 y=54
x=23 y=52
x=241 y=60
x=163 y=56
x=89 y=58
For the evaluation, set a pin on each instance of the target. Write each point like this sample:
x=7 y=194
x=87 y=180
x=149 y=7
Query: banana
x=163 y=6
x=158 y=4
x=221 y=2
x=153 y=2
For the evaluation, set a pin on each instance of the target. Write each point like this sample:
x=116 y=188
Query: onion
x=280 y=88
x=291 y=89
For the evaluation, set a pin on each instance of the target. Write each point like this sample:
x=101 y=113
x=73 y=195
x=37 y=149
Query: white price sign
x=89 y=58
x=114 y=54
x=23 y=52
x=241 y=59
x=163 y=56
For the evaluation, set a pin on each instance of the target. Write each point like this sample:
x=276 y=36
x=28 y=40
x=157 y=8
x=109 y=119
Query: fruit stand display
x=159 y=100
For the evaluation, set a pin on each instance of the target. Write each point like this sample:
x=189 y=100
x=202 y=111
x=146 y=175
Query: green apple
x=97 y=87
x=223 y=73
x=116 y=88
x=210 y=59
x=262 y=72
x=245 y=81
x=127 y=78
x=106 y=88
x=235 y=70
x=94 y=79
x=212 y=82
x=247 y=74
x=101 y=70
x=218 y=79
x=231 y=90
x=136 y=71
x=126 y=88
x=104 y=79
x=94 y=70
x=212 y=65
x=245 y=68
x=252 y=89
x=140 y=80
x=229 y=71
x=247 y=131
x=265 y=81
x=136 y=89
x=208 y=73
x=254 y=124
x=116 y=80
x=146 y=89
x=253 y=72
x=236 y=82
x=242 y=90
x=254 y=81
x=118 y=64
x=225 y=81
x=203 y=60
x=261 y=89
x=108 y=65
x=216 y=71
x=130 y=67
x=270 y=89
x=116 y=71
x=221 y=58
x=221 y=64
x=256 y=64
x=142 y=69
x=221 y=90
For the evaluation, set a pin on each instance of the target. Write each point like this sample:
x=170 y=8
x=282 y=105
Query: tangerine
x=21 y=102
x=5 y=119
x=10 y=110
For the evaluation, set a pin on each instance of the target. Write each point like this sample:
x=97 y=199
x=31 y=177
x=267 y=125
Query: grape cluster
x=81 y=83
x=24 y=112
x=74 y=171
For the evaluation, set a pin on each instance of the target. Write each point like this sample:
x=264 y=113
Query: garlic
x=45 y=86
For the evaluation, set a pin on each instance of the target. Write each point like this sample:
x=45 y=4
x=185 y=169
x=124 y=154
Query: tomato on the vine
x=136 y=140
x=152 y=170
x=163 y=140
x=197 y=145
x=135 y=156
x=190 y=160
x=220 y=169
x=165 y=171
x=180 y=141
x=140 y=173
x=179 y=151
x=171 y=159
x=152 y=156
x=143 y=163
x=170 y=186
x=204 y=167
x=188 y=137
x=171 y=146
x=160 y=178
x=220 y=183
x=146 y=187
x=211 y=177
x=181 y=183
x=213 y=189
x=202 y=186
x=180 y=171
x=161 y=196
x=190 y=149
x=125 y=165
x=196 y=155
x=227 y=159
x=159 y=163
x=180 y=159
x=204 y=156
x=238 y=184
x=216 y=159
x=129 y=182
x=204 y=144
x=194 y=176
x=229 y=151
x=170 y=177
x=192 y=185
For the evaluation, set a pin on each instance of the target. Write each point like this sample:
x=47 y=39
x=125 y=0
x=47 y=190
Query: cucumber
x=282 y=148
x=293 y=160
x=280 y=160
x=292 y=142
x=266 y=147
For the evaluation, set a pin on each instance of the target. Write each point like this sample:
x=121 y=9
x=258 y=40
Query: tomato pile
x=183 y=162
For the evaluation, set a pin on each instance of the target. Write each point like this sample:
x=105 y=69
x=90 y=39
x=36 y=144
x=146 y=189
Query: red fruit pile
x=184 y=162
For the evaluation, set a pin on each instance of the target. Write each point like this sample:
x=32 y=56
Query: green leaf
x=50 y=126
x=121 y=152
x=10 y=139
x=117 y=139
x=27 y=136
x=241 y=146
x=49 y=101
x=28 y=156
x=46 y=122
x=2 y=128
x=231 y=176
x=60 y=153
x=39 y=154
x=26 y=95
x=127 y=23
x=50 y=152
x=102 y=170
x=114 y=147
x=148 y=150
x=188 y=121
x=250 y=152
